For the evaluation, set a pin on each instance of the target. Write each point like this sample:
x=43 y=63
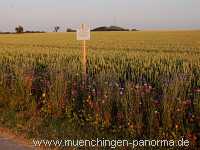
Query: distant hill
x=111 y=28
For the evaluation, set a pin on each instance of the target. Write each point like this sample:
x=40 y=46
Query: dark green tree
x=19 y=29
x=56 y=28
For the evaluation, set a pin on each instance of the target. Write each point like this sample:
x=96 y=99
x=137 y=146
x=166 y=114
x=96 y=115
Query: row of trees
x=20 y=29
x=112 y=28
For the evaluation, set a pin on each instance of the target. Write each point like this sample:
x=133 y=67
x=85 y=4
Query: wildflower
x=94 y=92
x=187 y=103
x=90 y=103
x=103 y=102
x=43 y=95
x=156 y=103
x=145 y=84
x=120 y=117
x=74 y=93
x=137 y=86
x=177 y=126
x=192 y=137
x=198 y=90
x=150 y=87
x=121 y=92
x=107 y=118
x=191 y=117
x=147 y=88
x=88 y=100
x=97 y=119
x=190 y=114
x=130 y=126
x=96 y=107
x=105 y=96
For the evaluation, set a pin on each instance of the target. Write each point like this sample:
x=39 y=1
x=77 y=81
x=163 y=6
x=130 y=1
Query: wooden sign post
x=83 y=34
x=84 y=60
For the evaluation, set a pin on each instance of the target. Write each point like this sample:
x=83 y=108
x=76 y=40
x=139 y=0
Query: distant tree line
x=104 y=28
x=70 y=30
x=20 y=29
x=112 y=28
x=6 y=33
x=34 y=32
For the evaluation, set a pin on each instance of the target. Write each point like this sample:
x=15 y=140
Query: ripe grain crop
x=139 y=85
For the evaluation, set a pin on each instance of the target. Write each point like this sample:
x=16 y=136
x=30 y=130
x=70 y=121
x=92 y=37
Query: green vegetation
x=19 y=29
x=139 y=85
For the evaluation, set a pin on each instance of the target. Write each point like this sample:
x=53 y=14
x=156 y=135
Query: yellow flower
x=43 y=95
x=177 y=126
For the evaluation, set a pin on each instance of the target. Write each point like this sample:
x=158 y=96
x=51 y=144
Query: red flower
x=187 y=103
x=192 y=137
x=197 y=90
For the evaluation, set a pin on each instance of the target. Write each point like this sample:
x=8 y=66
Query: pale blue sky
x=142 y=14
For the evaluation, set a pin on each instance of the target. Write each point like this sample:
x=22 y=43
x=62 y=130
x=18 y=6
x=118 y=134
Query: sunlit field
x=139 y=85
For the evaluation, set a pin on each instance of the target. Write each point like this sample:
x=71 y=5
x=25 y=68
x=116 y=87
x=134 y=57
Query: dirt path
x=10 y=141
x=8 y=144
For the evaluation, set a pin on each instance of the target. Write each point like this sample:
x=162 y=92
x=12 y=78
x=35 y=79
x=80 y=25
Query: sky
x=140 y=14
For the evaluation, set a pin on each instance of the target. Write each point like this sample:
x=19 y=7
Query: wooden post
x=83 y=34
x=84 y=61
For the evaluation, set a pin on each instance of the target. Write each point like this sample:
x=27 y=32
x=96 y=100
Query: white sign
x=83 y=33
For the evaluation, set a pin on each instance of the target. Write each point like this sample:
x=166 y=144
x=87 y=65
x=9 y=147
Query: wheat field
x=143 y=84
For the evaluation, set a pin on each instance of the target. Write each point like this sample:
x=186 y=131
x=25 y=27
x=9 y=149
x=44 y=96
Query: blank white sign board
x=83 y=33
